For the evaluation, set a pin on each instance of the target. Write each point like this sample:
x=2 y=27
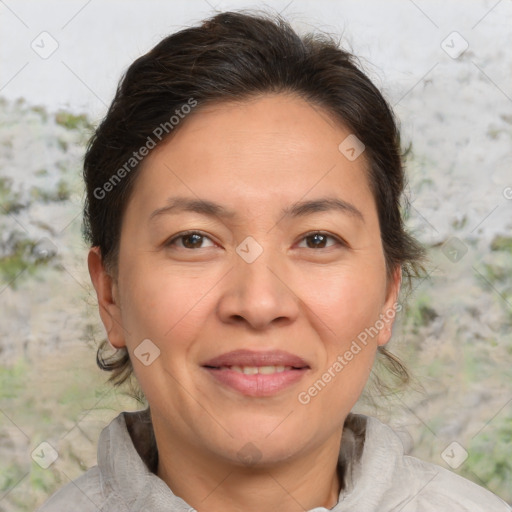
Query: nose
x=258 y=294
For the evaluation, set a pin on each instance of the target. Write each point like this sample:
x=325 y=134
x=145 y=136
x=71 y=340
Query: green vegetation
x=46 y=409
x=61 y=193
x=12 y=379
x=419 y=311
x=502 y=243
x=9 y=200
x=47 y=397
x=23 y=259
x=38 y=109
x=490 y=456
x=72 y=121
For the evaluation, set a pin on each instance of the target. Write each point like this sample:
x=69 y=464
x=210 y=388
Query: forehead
x=271 y=124
x=269 y=148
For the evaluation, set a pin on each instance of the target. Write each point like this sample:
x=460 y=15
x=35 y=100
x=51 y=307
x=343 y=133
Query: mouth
x=253 y=370
x=256 y=374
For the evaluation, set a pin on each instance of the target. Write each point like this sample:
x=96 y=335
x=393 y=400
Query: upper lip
x=253 y=358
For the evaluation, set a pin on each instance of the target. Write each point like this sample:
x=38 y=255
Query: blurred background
x=445 y=68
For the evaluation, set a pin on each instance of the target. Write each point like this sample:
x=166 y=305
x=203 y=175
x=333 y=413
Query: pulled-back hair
x=236 y=56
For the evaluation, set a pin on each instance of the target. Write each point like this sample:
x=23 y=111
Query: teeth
x=253 y=370
x=271 y=369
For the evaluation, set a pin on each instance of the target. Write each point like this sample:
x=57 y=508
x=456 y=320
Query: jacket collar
x=128 y=457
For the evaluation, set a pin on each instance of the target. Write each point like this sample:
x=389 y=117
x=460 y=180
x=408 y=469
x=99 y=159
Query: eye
x=319 y=239
x=189 y=239
x=195 y=239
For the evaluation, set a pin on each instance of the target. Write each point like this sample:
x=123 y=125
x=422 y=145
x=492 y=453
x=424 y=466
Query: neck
x=303 y=483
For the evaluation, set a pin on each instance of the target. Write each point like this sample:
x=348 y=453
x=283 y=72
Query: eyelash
x=306 y=235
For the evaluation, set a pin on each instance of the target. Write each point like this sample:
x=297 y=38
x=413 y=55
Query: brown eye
x=189 y=240
x=319 y=240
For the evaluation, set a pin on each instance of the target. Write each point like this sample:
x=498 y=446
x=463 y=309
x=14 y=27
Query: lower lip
x=257 y=384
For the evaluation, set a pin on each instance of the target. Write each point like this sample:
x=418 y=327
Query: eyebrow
x=179 y=204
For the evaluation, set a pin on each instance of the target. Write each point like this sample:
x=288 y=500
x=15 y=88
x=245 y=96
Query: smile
x=256 y=381
x=253 y=370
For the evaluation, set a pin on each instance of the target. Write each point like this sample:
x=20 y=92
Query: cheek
x=345 y=309
x=170 y=310
x=347 y=301
x=161 y=305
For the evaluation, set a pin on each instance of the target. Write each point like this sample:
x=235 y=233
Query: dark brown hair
x=235 y=56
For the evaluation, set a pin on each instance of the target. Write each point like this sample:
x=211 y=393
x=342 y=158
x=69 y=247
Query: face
x=283 y=266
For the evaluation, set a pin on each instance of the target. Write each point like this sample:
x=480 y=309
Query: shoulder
x=83 y=494
x=409 y=484
x=118 y=477
x=443 y=489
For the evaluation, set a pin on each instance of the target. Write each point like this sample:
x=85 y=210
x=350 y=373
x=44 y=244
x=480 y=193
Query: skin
x=254 y=157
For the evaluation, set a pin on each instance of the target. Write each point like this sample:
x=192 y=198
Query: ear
x=106 y=292
x=390 y=307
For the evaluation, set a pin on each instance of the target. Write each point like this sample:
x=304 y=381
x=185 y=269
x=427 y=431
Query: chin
x=256 y=455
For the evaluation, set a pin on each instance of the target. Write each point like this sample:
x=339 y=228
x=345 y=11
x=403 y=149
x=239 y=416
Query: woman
x=247 y=251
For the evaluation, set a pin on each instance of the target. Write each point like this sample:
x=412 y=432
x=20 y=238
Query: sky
x=70 y=54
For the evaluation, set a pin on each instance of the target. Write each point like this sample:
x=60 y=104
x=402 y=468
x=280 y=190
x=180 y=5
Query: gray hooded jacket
x=377 y=476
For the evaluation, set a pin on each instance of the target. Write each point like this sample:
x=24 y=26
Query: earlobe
x=109 y=310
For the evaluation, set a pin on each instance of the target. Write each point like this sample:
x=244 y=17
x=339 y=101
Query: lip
x=254 y=358
x=257 y=385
